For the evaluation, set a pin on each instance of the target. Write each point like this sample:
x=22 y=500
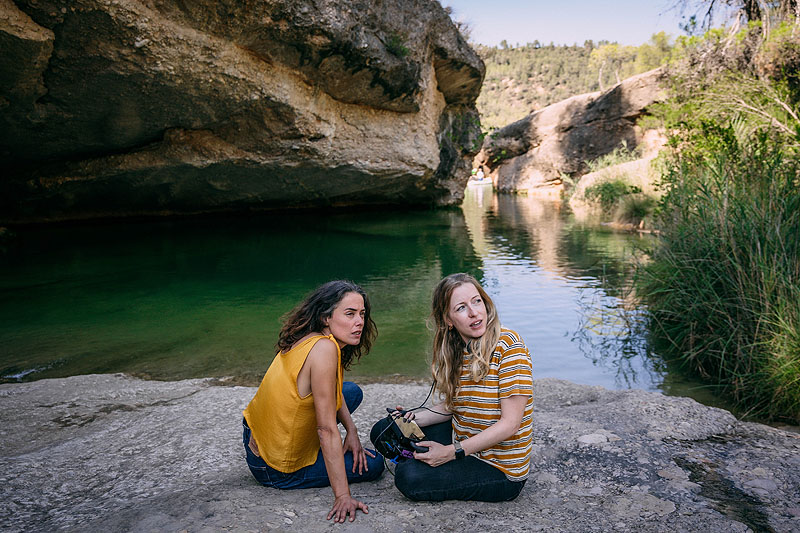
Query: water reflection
x=181 y=299
x=204 y=298
x=557 y=281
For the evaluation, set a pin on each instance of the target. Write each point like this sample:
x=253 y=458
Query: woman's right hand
x=437 y=454
x=346 y=505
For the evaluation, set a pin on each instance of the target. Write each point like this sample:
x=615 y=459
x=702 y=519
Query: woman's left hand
x=437 y=454
x=353 y=443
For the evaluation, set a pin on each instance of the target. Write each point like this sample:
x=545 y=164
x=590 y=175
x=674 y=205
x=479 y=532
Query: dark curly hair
x=309 y=316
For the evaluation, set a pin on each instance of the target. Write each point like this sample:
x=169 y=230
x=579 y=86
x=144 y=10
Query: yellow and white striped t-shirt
x=477 y=405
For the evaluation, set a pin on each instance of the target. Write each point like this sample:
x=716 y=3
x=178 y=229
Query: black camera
x=396 y=438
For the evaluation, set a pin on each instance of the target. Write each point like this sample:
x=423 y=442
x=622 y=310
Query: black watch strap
x=459 y=451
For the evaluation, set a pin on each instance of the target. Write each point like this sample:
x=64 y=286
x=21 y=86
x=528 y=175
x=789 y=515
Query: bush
x=395 y=44
x=723 y=288
x=620 y=154
x=779 y=57
x=608 y=193
x=634 y=209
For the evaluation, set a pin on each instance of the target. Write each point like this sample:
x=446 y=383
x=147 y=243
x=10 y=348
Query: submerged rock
x=112 y=453
x=146 y=108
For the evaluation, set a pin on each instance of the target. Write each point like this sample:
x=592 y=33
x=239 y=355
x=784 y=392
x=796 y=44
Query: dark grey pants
x=467 y=479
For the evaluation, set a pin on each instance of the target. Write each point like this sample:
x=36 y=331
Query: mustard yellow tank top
x=283 y=424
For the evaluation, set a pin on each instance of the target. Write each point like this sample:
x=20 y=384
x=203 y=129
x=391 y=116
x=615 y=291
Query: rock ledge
x=113 y=453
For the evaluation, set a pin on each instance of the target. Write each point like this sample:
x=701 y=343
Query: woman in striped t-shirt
x=480 y=436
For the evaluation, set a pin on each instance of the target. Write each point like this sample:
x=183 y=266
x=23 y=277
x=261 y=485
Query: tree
x=654 y=53
x=612 y=56
x=789 y=9
x=751 y=9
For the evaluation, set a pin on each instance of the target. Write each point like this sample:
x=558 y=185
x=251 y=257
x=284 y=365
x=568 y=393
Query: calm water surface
x=179 y=299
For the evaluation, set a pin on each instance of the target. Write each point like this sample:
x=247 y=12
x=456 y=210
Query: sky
x=628 y=22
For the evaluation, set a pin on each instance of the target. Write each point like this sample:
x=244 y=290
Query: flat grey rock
x=113 y=453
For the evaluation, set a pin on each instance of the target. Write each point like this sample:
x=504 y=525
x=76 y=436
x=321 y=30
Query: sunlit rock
x=536 y=152
x=112 y=453
x=145 y=108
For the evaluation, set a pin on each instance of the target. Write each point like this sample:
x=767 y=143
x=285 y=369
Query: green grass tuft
x=634 y=209
x=620 y=154
x=608 y=193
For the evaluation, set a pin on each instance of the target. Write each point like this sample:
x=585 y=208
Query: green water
x=189 y=298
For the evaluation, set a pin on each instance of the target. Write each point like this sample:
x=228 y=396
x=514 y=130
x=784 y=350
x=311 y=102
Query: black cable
x=420 y=406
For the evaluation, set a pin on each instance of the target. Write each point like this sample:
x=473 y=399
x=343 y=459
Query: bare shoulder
x=324 y=353
x=303 y=339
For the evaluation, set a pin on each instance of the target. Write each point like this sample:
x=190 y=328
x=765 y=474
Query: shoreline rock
x=110 y=452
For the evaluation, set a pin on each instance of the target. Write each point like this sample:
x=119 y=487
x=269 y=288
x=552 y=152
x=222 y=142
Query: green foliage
x=723 y=289
x=634 y=208
x=624 y=202
x=740 y=79
x=779 y=58
x=523 y=79
x=614 y=58
x=620 y=154
x=724 y=286
x=503 y=154
x=654 y=53
x=608 y=193
x=395 y=44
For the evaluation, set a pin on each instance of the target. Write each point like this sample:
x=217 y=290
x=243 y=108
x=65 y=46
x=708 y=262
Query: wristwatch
x=459 y=451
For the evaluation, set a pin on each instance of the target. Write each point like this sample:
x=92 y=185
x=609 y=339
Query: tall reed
x=723 y=289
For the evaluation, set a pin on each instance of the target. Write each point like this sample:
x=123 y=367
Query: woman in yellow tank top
x=291 y=436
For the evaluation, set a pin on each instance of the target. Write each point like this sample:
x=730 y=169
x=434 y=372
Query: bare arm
x=352 y=442
x=343 y=416
x=511 y=411
x=324 y=367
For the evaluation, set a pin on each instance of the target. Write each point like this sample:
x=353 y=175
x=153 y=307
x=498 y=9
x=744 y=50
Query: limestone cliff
x=535 y=151
x=124 y=107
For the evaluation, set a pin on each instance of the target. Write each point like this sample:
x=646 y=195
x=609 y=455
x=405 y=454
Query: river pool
x=192 y=298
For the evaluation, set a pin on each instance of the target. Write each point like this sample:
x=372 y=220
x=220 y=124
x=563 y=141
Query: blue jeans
x=314 y=475
x=466 y=479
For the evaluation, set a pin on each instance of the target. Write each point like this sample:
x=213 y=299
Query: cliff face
x=115 y=108
x=534 y=152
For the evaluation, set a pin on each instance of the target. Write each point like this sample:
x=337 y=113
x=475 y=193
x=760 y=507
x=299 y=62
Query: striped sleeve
x=515 y=373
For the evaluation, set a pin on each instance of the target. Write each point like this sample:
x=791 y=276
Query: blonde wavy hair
x=448 y=346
